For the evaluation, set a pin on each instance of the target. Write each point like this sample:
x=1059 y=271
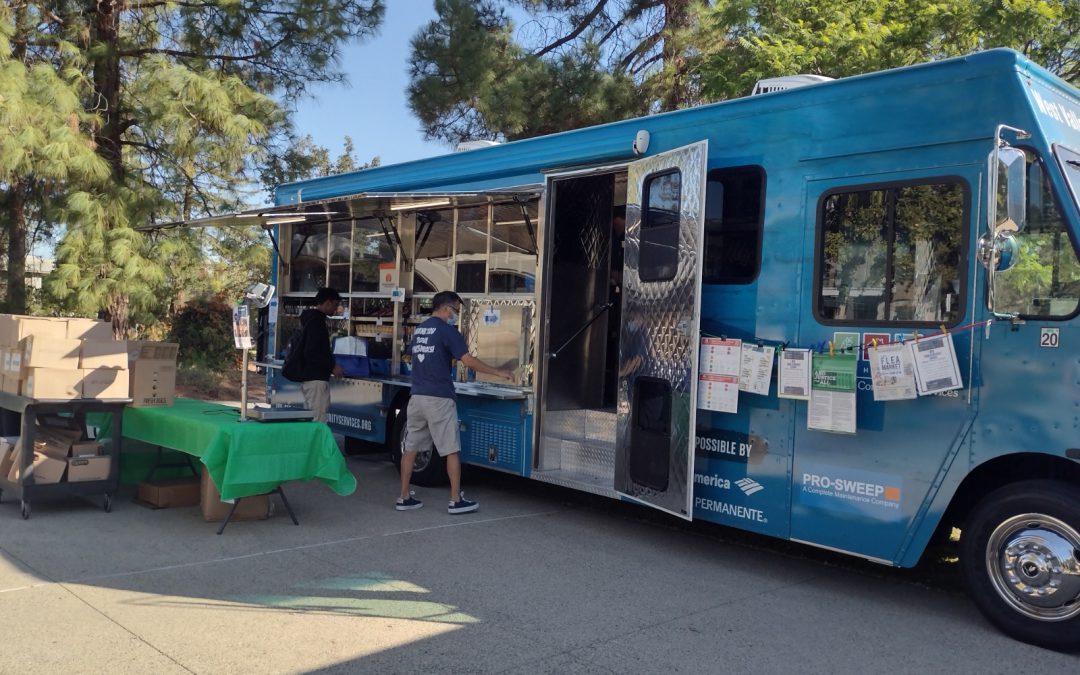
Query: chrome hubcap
x=1034 y=564
x=423 y=458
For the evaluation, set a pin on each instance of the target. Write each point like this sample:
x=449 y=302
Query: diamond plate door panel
x=658 y=345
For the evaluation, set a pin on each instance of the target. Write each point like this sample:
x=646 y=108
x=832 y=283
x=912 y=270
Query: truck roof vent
x=786 y=82
x=474 y=145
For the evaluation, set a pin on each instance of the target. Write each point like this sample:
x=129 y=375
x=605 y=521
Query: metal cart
x=22 y=415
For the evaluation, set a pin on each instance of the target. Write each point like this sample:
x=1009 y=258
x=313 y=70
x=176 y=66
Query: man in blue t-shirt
x=432 y=411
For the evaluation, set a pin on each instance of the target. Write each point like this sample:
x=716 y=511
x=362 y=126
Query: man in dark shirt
x=432 y=411
x=317 y=365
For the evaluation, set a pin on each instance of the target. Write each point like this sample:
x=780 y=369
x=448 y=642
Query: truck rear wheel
x=429 y=469
x=1020 y=557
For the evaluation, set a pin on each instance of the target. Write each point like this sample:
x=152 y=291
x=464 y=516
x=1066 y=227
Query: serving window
x=434 y=251
x=307 y=259
x=513 y=258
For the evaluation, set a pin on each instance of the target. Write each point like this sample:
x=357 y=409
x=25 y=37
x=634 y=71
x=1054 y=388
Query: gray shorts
x=317 y=398
x=432 y=419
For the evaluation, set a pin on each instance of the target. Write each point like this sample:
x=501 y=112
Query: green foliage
x=756 y=39
x=203 y=329
x=302 y=159
x=572 y=63
x=130 y=113
x=200 y=378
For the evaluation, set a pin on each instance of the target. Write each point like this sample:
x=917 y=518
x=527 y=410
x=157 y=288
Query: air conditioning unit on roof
x=786 y=82
x=474 y=145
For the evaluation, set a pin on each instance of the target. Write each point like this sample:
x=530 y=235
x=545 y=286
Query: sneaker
x=462 y=505
x=408 y=504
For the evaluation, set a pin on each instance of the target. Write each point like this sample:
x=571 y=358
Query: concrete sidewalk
x=537 y=581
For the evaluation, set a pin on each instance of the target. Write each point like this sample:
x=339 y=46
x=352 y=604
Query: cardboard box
x=9 y=453
x=105 y=383
x=102 y=354
x=213 y=509
x=89 y=329
x=55 y=442
x=44 y=469
x=170 y=493
x=88 y=468
x=85 y=449
x=48 y=352
x=11 y=384
x=13 y=361
x=13 y=328
x=152 y=373
x=53 y=383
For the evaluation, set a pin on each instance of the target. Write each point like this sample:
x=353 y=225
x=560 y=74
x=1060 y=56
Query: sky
x=372 y=107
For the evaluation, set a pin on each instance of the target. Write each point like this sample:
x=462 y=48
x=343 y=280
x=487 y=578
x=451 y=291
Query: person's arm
x=481 y=367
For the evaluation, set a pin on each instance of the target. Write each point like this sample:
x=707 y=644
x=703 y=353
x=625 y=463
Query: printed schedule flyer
x=832 y=393
x=718 y=374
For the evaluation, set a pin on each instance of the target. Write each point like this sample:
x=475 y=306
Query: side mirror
x=998 y=252
x=1007 y=210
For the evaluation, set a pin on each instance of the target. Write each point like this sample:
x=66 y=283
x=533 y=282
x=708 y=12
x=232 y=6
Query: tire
x=1020 y=559
x=429 y=469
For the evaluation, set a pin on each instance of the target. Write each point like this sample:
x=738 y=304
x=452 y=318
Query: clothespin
x=915 y=335
x=832 y=349
x=944 y=330
x=873 y=343
x=760 y=343
x=986 y=329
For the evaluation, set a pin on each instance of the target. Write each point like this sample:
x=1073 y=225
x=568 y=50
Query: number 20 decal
x=1050 y=337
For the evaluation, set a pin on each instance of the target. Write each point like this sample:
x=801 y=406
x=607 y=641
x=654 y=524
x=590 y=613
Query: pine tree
x=571 y=63
x=185 y=99
x=755 y=39
x=47 y=143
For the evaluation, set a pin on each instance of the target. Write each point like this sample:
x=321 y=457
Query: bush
x=199 y=379
x=203 y=329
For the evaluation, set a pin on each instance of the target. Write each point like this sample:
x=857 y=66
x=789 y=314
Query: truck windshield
x=1045 y=281
x=1070 y=165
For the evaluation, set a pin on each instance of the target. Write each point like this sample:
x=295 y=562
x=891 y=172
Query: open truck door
x=661 y=311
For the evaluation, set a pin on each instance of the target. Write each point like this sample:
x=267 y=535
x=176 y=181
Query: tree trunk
x=118 y=305
x=107 y=138
x=676 y=19
x=16 y=264
x=107 y=84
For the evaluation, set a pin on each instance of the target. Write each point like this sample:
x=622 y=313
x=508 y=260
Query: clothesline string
x=820 y=347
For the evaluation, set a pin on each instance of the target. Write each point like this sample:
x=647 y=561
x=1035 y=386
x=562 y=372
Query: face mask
x=453 y=319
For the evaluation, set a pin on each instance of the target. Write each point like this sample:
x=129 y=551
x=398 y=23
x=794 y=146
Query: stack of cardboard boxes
x=66 y=359
x=69 y=359
x=59 y=452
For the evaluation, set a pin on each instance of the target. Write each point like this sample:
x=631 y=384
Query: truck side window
x=659 y=258
x=1045 y=281
x=734 y=214
x=892 y=254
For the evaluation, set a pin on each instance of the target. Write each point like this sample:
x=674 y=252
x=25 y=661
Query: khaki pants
x=317 y=398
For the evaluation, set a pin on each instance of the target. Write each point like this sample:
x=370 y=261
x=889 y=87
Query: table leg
x=229 y=517
x=285 y=501
x=158 y=464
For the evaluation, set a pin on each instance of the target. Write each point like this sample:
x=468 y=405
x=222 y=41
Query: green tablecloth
x=243 y=458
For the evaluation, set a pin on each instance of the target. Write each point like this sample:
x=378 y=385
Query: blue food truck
x=820 y=219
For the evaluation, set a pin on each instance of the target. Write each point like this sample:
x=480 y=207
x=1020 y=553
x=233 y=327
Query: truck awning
x=362 y=205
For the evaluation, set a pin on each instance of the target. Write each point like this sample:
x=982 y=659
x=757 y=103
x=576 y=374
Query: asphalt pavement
x=539 y=580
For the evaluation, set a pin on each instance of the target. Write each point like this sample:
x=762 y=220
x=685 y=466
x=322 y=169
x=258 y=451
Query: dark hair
x=445 y=298
x=325 y=294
